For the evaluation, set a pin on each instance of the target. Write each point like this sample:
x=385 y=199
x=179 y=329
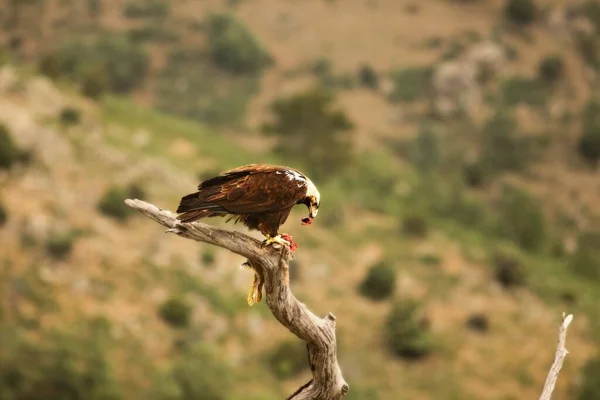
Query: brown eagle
x=260 y=196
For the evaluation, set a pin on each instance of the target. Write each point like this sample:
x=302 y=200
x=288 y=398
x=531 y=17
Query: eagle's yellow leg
x=277 y=239
x=255 y=293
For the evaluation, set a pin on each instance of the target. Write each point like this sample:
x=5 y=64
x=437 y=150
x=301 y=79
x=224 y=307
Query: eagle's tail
x=193 y=208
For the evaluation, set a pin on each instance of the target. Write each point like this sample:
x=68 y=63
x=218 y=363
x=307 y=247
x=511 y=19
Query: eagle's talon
x=277 y=239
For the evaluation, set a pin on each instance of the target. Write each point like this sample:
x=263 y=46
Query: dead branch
x=318 y=333
x=561 y=353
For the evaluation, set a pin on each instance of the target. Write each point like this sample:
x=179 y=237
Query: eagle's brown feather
x=261 y=196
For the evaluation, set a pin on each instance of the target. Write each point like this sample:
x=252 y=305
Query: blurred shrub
x=190 y=88
x=589 y=48
x=176 y=312
x=113 y=204
x=589 y=142
x=50 y=66
x=208 y=256
x=520 y=218
x=590 y=384
x=311 y=132
x=197 y=373
x=551 y=69
x=478 y=323
x=9 y=153
x=233 y=47
x=368 y=77
x=425 y=153
x=69 y=116
x=474 y=174
x=380 y=282
x=502 y=149
x=3 y=215
x=408 y=331
x=415 y=225
x=59 y=365
x=146 y=9
x=94 y=82
x=114 y=58
x=288 y=359
x=94 y=8
x=59 y=245
x=520 y=12
x=410 y=83
x=518 y=90
x=508 y=269
x=586 y=260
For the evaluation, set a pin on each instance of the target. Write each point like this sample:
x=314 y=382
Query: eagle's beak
x=312 y=211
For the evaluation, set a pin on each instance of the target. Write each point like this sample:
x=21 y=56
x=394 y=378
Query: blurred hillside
x=456 y=145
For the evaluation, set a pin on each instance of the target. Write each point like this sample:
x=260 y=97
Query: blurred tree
x=196 y=374
x=288 y=359
x=9 y=154
x=590 y=384
x=60 y=365
x=426 y=150
x=589 y=142
x=380 y=282
x=586 y=260
x=176 y=312
x=502 y=149
x=233 y=47
x=521 y=219
x=408 y=331
x=521 y=12
x=309 y=131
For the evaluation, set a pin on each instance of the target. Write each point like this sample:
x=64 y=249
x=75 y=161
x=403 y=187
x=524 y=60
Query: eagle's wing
x=248 y=189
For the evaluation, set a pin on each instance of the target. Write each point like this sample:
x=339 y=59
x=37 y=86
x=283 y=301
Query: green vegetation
x=3 y=214
x=113 y=204
x=309 y=131
x=368 y=77
x=232 y=46
x=586 y=260
x=380 y=282
x=502 y=149
x=521 y=219
x=146 y=9
x=9 y=153
x=62 y=364
x=524 y=90
x=478 y=323
x=208 y=256
x=425 y=150
x=521 y=12
x=508 y=269
x=590 y=384
x=410 y=84
x=589 y=142
x=176 y=312
x=415 y=225
x=69 y=116
x=190 y=88
x=408 y=331
x=551 y=69
x=59 y=245
x=111 y=59
x=196 y=373
x=288 y=359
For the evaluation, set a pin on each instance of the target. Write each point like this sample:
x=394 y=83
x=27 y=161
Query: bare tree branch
x=561 y=353
x=318 y=333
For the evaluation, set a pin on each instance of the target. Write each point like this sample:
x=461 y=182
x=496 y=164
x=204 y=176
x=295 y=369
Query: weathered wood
x=273 y=262
x=559 y=357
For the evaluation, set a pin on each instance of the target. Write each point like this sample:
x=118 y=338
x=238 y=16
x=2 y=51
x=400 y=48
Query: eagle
x=260 y=196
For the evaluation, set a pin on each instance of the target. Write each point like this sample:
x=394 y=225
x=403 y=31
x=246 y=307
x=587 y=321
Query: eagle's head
x=312 y=200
